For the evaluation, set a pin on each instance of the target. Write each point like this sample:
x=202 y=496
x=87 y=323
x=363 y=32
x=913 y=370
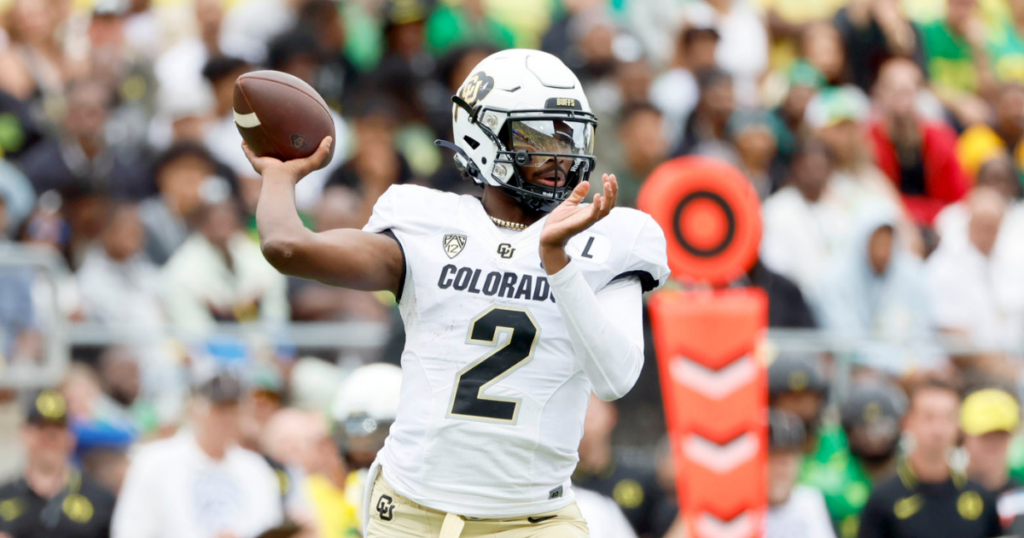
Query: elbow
x=278 y=250
x=613 y=389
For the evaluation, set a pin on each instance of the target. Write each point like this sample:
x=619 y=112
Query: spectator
x=219 y=274
x=821 y=46
x=786 y=305
x=376 y=163
x=52 y=498
x=180 y=173
x=454 y=25
x=877 y=290
x=796 y=386
x=753 y=134
x=19 y=339
x=858 y=453
x=337 y=77
x=965 y=279
x=958 y=64
x=836 y=116
x=200 y=483
x=982 y=142
x=998 y=174
x=119 y=285
x=743 y=49
x=675 y=91
x=794 y=511
x=989 y=418
x=929 y=498
x=645 y=147
x=1005 y=44
x=17 y=197
x=802 y=229
x=636 y=491
x=874 y=32
x=918 y=155
x=34 y=64
x=558 y=41
x=804 y=82
x=81 y=157
x=705 y=132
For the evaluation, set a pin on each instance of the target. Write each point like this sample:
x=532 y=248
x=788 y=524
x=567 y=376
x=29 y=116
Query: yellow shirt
x=335 y=516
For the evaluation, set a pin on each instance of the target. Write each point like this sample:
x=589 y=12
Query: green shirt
x=1006 y=48
x=949 y=57
x=449 y=27
x=841 y=478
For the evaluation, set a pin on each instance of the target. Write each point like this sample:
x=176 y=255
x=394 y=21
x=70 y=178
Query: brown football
x=281 y=116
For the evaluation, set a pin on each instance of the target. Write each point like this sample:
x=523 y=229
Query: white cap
x=373 y=390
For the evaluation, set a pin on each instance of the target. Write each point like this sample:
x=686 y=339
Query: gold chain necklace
x=518 y=226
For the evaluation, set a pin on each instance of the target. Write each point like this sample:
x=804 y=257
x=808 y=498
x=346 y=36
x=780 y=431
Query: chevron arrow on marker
x=720 y=459
x=715 y=384
x=741 y=526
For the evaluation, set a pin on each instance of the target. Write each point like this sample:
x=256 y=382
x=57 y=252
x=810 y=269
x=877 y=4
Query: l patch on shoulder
x=453 y=244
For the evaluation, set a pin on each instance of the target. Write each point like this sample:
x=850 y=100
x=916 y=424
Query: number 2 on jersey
x=516 y=351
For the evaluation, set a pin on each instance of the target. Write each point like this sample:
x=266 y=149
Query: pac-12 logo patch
x=453 y=244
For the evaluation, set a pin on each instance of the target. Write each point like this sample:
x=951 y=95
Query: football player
x=516 y=305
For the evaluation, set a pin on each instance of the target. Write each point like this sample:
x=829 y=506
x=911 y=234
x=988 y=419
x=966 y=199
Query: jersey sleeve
x=646 y=258
x=403 y=209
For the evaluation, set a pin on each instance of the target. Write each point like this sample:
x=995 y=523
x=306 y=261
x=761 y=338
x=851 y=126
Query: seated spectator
x=119 y=285
x=180 y=172
x=376 y=163
x=337 y=77
x=801 y=228
x=705 y=129
x=34 y=63
x=998 y=174
x=81 y=157
x=102 y=450
x=918 y=155
x=219 y=274
x=989 y=418
x=821 y=46
x=958 y=64
x=981 y=142
x=837 y=116
x=804 y=81
x=644 y=146
x=794 y=511
x=1006 y=44
x=877 y=290
x=753 y=134
x=965 y=279
x=858 y=453
x=929 y=498
x=743 y=49
x=200 y=483
x=675 y=91
x=874 y=32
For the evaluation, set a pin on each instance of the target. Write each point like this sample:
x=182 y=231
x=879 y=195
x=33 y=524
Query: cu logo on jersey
x=505 y=250
x=386 y=507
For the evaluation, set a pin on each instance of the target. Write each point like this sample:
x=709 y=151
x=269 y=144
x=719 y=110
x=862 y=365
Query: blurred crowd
x=885 y=139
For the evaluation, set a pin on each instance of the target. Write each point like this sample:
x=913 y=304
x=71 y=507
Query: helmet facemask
x=552 y=144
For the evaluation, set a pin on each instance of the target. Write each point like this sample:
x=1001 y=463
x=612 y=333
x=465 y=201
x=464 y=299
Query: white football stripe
x=246 y=121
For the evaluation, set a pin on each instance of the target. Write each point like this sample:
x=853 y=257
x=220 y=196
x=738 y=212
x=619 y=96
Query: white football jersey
x=493 y=398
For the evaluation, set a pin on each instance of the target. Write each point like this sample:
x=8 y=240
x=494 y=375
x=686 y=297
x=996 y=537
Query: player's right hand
x=294 y=169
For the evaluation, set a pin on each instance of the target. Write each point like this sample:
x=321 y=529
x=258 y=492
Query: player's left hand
x=571 y=218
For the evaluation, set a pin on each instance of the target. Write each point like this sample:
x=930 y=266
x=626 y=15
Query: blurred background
x=884 y=138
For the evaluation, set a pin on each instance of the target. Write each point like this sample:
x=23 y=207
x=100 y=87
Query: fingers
x=578 y=193
x=253 y=158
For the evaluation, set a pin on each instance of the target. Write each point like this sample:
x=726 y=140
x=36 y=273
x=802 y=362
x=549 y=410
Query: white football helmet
x=364 y=409
x=518 y=109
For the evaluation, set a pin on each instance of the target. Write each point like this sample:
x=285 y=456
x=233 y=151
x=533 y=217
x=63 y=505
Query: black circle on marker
x=729 y=217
